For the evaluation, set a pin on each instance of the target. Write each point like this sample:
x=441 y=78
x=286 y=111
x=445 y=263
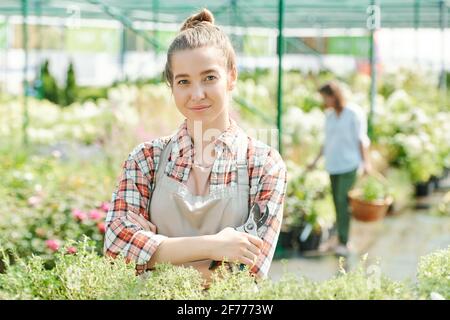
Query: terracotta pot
x=368 y=210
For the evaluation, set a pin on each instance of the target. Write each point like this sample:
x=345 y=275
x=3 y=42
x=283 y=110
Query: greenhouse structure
x=289 y=16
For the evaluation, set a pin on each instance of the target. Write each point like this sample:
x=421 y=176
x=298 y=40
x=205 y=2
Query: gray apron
x=176 y=212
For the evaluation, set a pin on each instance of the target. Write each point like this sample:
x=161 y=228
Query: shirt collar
x=183 y=143
x=333 y=111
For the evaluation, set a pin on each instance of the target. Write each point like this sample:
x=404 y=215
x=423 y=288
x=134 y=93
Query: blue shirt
x=343 y=134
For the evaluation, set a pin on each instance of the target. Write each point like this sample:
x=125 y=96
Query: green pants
x=340 y=186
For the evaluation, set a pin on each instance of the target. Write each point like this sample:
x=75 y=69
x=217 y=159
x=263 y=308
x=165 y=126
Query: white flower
x=436 y=296
x=316 y=180
x=399 y=100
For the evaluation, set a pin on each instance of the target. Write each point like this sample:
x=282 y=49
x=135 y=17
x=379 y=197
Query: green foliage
x=235 y=284
x=50 y=89
x=39 y=194
x=413 y=124
x=363 y=283
x=91 y=93
x=70 y=90
x=86 y=275
x=304 y=193
x=433 y=275
x=400 y=187
x=373 y=190
x=169 y=282
x=41 y=202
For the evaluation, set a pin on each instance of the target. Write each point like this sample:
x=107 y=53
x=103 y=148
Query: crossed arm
x=144 y=247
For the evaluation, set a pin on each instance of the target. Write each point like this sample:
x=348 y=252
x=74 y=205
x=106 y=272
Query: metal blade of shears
x=261 y=220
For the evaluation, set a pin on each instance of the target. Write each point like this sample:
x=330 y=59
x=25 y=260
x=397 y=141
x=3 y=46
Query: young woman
x=180 y=197
x=345 y=149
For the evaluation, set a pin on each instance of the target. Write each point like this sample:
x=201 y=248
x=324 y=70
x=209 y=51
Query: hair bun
x=203 y=16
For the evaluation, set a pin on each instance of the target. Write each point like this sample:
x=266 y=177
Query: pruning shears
x=254 y=222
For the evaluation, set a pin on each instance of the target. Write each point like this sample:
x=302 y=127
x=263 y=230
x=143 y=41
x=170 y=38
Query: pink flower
x=101 y=227
x=34 y=201
x=96 y=214
x=105 y=206
x=52 y=244
x=71 y=250
x=79 y=215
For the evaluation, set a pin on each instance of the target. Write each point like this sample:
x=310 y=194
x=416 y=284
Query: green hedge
x=85 y=275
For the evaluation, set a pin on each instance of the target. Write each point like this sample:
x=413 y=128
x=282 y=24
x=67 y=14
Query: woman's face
x=202 y=84
x=329 y=101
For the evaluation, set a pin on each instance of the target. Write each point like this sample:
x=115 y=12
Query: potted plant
x=424 y=189
x=296 y=203
x=303 y=218
x=370 y=200
x=310 y=234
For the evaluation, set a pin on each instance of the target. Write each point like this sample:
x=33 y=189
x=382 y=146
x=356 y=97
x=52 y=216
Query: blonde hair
x=199 y=31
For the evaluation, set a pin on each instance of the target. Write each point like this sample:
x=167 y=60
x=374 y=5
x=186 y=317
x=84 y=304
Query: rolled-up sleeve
x=270 y=194
x=122 y=236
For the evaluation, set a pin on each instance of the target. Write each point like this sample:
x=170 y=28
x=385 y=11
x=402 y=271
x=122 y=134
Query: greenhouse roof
x=323 y=14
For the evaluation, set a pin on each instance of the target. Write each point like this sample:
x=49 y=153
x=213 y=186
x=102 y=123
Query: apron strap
x=241 y=164
x=163 y=159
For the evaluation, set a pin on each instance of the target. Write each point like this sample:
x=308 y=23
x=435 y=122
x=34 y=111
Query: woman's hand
x=311 y=166
x=367 y=167
x=235 y=246
x=139 y=220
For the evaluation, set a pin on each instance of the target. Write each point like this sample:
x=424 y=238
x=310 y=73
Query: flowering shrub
x=116 y=124
x=414 y=127
x=303 y=133
x=410 y=119
x=43 y=204
x=49 y=123
x=433 y=275
x=306 y=197
x=85 y=275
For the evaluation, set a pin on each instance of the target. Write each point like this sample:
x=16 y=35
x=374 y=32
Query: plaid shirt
x=267 y=178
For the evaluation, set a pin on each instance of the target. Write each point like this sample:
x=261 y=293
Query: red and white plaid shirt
x=266 y=170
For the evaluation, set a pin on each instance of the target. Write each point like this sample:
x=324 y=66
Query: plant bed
x=88 y=276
